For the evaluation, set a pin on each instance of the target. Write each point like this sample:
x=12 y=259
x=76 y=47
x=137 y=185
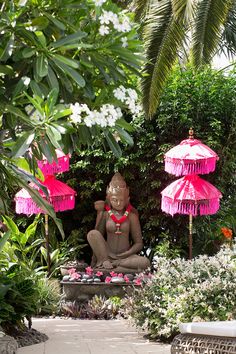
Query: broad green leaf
x=84 y=135
x=52 y=137
x=7 y=52
x=7 y=70
x=11 y=225
x=72 y=38
x=35 y=102
x=42 y=65
x=4 y=239
x=124 y=124
x=41 y=38
x=22 y=144
x=125 y=137
x=52 y=79
x=63 y=113
x=114 y=146
x=71 y=72
x=52 y=100
x=68 y=61
x=22 y=163
x=35 y=88
x=56 y=22
x=28 y=52
x=40 y=22
x=17 y=112
x=54 y=255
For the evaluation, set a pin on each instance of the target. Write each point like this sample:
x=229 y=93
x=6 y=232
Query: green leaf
x=28 y=52
x=41 y=38
x=72 y=38
x=54 y=20
x=71 y=72
x=23 y=164
x=4 y=239
x=22 y=144
x=63 y=113
x=36 y=103
x=84 y=135
x=114 y=146
x=68 y=61
x=40 y=22
x=124 y=124
x=54 y=138
x=7 y=70
x=11 y=225
x=7 y=51
x=52 y=99
x=42 y=65
x=17 y=112
x=35 y=88
x=125 y=137
x=52 y=79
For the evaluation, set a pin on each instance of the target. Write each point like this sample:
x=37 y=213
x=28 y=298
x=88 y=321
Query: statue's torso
x=117 y=243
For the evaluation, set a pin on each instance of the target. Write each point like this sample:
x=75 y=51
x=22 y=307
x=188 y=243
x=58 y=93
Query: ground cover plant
x=184 y=291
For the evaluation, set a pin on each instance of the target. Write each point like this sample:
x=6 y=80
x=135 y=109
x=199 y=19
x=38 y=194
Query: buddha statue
x=117 y=224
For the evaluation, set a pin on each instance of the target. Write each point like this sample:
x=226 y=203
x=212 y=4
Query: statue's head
x=118 y=192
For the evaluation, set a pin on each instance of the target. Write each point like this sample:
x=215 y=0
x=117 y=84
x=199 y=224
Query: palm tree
x=174 y=29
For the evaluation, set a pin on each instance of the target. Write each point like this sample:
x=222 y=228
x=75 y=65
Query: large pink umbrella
x=61 y=165
x=191 y=156
x=60 y=196
x=193 y=196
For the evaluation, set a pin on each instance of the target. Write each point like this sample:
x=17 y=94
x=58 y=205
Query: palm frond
x=163 y=36
x=210 y=18
x=228 y=39
x=183 y=9
x=141 y=8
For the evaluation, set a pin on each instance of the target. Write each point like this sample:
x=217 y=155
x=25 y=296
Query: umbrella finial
x=191 y=133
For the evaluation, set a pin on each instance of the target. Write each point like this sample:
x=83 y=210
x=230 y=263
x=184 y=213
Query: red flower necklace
x=118 y=222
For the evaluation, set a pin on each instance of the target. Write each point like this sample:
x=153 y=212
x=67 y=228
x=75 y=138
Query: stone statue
x=118 y=221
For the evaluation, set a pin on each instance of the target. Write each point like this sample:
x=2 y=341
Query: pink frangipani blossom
x=120 y=275
x=113 y=274
x=98 y=274
x=126 y=279
x=71 y=271
x=137 y=281
x=89 y=270
x=75 y=275
x=108 y=280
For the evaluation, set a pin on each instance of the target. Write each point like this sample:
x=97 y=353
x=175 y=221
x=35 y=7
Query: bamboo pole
x=190 y=241
x=47 y=244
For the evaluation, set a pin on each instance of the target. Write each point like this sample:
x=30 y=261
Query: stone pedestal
x=8 y=345
x=74 y=291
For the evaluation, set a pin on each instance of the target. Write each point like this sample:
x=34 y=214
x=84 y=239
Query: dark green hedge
x=205 y=100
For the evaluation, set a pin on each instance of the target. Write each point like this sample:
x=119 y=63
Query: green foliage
x=204 y=100
x=49 y=296
x=185 y=291
x=53 y=52
x=18 y=295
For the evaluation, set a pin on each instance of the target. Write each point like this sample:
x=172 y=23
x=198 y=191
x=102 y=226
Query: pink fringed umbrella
x=60 y=196
x=193 y=196
x=191 y=156
x=190 y=195
x=61 y=165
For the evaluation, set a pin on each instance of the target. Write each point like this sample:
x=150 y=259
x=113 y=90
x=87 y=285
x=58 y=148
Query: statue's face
x=118 y=202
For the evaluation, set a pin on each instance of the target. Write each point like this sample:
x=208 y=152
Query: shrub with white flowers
x=184 y=291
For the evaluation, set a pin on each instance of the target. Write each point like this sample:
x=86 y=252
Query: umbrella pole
x=190 y=241
x=47 y=244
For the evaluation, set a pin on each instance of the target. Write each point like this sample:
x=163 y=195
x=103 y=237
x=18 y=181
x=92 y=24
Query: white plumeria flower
x=124 y=41
x=132 y=93
x=103 y=30
x=120 y=94
x=26 y=80
x=99 y=2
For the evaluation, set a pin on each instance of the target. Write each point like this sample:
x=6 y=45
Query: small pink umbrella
x=60 y=196
x=191 y=156
x=193 y=196
x=61 y=165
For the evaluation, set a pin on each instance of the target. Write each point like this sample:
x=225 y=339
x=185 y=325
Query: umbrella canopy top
x=61 y=165
x=190 y=156
x=190 y=195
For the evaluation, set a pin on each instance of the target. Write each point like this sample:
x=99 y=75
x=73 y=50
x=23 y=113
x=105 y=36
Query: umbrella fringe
x=53 y=168
x=179 y=167
x=203 y=207
x=28 y=206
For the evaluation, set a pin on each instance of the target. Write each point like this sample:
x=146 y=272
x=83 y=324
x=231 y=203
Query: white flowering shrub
x=185 y=291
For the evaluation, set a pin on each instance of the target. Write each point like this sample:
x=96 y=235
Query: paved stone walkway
x=67 y=336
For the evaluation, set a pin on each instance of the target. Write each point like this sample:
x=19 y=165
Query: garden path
x=91 y=337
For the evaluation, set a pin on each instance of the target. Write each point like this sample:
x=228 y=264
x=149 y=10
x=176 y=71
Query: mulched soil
x=26 y=336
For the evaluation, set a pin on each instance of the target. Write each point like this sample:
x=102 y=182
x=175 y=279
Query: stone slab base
x=73 y=291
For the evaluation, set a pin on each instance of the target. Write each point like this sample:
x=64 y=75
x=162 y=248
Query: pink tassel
x=204 y=207
x=185 y=167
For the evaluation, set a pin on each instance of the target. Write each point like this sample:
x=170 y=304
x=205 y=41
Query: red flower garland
x=118 y=222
